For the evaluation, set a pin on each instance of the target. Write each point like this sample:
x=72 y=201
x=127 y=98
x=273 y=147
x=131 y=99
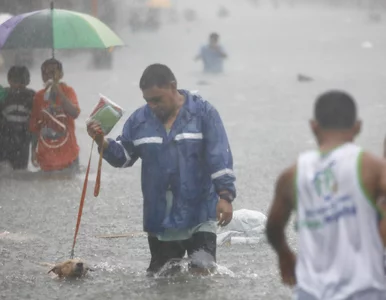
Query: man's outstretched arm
x=119 y=153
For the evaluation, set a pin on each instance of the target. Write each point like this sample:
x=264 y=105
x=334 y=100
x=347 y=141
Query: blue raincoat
x=194 y=161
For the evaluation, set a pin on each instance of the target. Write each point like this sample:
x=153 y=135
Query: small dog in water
x=72 y=268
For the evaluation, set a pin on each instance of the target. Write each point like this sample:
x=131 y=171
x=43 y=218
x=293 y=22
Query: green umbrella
x=56 y=29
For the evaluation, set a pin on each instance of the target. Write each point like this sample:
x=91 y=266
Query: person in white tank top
x=337 y=192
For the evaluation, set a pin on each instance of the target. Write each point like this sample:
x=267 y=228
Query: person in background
x=55 y=109
x=187 y=169
x=3 y=93
x=212 y=55
x=337 y=192
x=15 y=110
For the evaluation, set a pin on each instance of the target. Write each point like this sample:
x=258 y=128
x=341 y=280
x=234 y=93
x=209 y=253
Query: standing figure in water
x=15 y=111
x=187 y=169
x=54 y=145
x=212 y=55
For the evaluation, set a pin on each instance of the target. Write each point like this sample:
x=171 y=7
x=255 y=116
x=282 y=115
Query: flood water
x=265 y=110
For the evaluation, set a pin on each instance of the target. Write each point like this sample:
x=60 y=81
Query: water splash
x=203 y=262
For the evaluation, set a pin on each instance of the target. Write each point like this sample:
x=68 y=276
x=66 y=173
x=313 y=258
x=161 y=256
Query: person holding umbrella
x=56 y=106
x=52 y=122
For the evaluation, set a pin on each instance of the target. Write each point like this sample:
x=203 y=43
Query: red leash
x=83 y=196
x=98 y=179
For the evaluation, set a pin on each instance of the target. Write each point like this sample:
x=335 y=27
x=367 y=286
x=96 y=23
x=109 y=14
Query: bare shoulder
x=372 y=172
x=371 y=163
x=288 y=174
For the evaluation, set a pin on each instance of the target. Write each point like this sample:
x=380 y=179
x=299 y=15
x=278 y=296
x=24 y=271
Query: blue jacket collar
x=190 y=104
x=188 y=110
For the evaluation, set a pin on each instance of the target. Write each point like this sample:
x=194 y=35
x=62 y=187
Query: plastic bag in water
x=106 y=113
x=247 y=227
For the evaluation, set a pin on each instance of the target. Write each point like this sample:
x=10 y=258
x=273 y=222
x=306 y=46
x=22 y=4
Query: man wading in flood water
x=187 y=176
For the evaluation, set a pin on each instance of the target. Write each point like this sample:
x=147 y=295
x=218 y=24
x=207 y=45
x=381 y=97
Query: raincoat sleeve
x=121 y=152
x=218 y=154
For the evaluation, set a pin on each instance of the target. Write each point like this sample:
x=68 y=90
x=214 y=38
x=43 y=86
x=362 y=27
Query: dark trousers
x=16 y=155
x=163 y=252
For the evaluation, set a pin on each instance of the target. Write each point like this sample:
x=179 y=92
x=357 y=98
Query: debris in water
x=203 y=82
x=304 y=78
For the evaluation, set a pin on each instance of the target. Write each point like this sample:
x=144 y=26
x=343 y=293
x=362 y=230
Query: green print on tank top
x=333 y=207
x=325 y=183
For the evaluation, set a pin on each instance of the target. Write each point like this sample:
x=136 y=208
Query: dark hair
x=335 y=110
x=156 y=75
x=214 y=35
x=53 y=61
x=19 y=74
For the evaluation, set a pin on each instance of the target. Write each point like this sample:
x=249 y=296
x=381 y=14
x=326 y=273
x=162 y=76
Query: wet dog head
x=72 y=268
